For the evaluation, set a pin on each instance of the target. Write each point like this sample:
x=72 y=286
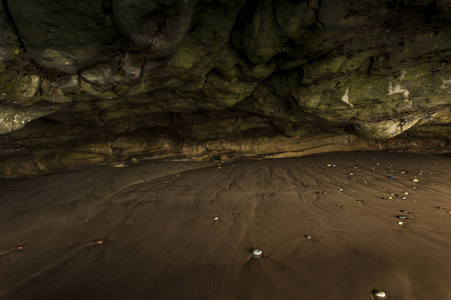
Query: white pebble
x=257 y=253
x=380 y=295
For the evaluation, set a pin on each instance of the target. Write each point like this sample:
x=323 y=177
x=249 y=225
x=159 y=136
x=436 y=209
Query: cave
x=140 y=139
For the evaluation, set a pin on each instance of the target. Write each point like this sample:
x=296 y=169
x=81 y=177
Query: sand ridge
x=328 y=225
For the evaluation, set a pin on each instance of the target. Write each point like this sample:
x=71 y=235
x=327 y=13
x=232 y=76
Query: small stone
x=380 y=294
x=415 y=180
x=20 y=248
x=403 y=211
x=401 y=217
x=120 y=165
x=257 y=253
x=399 y=223
x=216 y=219
x=308 y=237
x=406 y=193
x=98 y=242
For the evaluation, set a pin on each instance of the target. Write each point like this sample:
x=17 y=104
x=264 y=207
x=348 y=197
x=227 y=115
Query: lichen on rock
x=97 y=81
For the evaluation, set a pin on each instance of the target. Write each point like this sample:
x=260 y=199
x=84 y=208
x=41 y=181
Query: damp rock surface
x=93 y=82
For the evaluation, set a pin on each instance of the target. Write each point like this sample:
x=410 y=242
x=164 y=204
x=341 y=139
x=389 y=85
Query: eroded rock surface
x=104 y=80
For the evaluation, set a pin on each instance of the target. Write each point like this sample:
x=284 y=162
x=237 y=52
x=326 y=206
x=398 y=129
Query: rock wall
x=96 y=81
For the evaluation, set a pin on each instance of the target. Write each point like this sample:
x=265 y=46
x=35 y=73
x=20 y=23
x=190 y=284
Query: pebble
x=257 y=253
x=216 y=219
x=120 y=165
x=20 y=248
x=98 y=242
x=415 y=180
x=380 y=294
x=401 y=217
x=399 y=223
x=403 y=210
x=308 y=237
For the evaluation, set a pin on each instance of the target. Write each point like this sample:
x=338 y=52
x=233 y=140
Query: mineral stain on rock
x=104 y=81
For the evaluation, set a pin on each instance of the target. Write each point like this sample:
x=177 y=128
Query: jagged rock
x=99 y=81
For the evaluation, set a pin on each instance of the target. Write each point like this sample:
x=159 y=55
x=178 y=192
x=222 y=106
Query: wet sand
x=327 y=225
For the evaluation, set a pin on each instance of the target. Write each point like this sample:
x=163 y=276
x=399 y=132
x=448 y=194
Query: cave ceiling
x=95 y=81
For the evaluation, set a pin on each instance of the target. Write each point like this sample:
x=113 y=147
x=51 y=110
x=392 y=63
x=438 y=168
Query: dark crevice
x=11 y=22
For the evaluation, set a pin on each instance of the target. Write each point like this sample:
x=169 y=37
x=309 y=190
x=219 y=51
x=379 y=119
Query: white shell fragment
x=380 y=294
x=257 y=253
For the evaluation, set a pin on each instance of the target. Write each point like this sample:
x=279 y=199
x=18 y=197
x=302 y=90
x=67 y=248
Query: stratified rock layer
x=101 y=81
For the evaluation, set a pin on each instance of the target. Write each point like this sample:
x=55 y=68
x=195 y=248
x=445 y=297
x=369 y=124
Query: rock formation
x=97 y=81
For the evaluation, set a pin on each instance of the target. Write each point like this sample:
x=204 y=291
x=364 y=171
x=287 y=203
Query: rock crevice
x=99 y=81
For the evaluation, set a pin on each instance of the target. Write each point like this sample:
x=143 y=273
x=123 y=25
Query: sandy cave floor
x=327 y=225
